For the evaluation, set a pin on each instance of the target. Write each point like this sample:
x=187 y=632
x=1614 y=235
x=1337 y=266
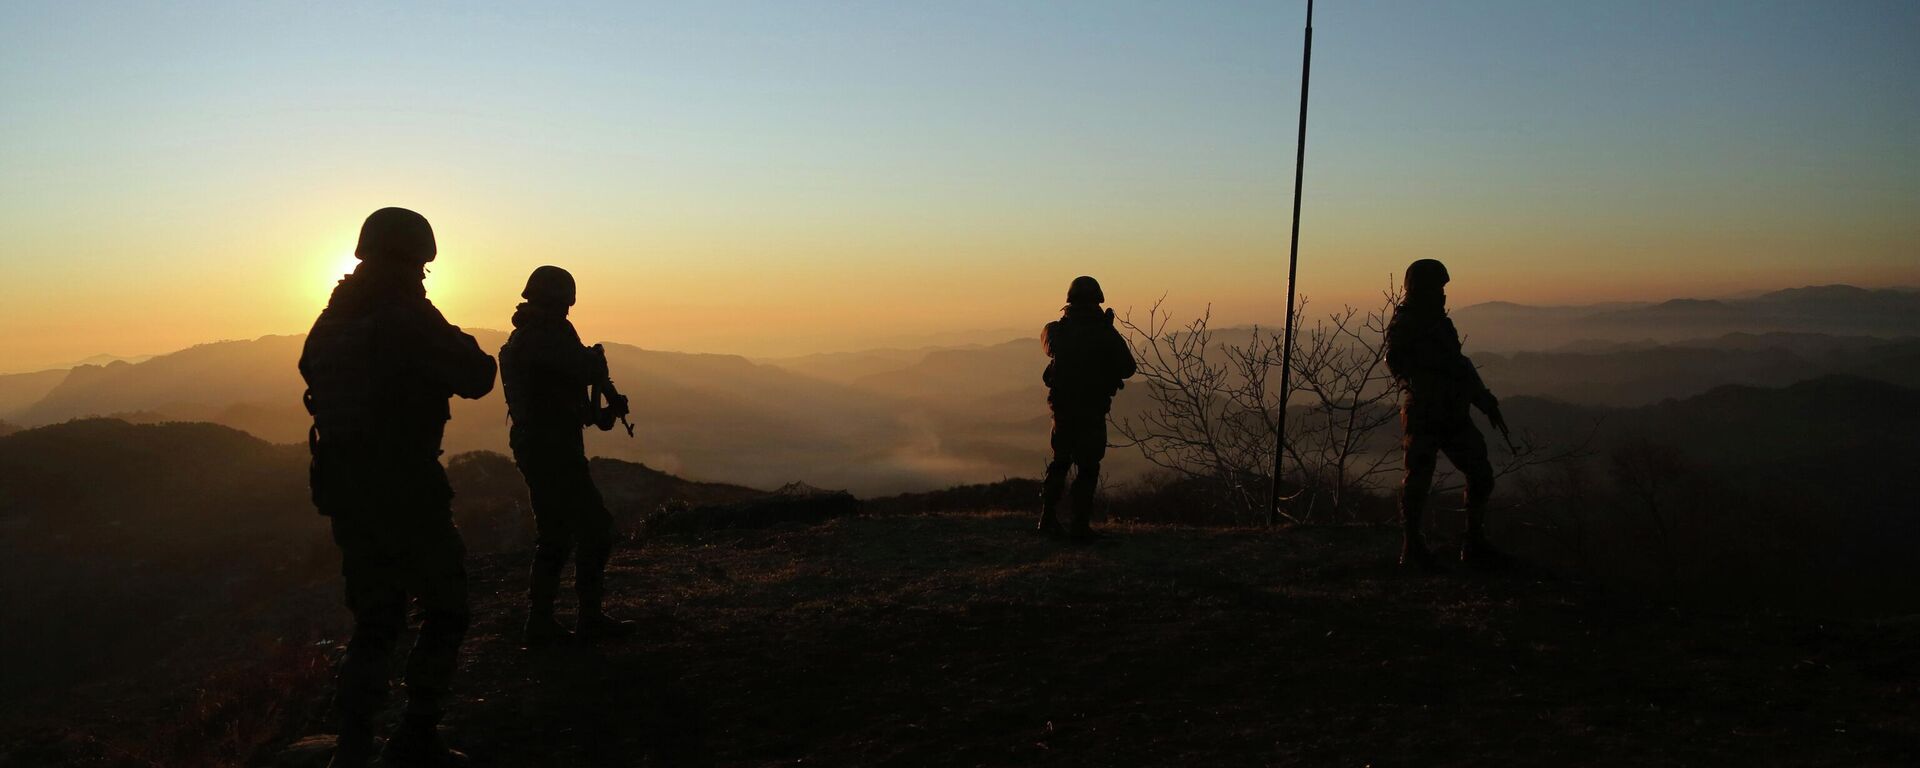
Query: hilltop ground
x=962 y=640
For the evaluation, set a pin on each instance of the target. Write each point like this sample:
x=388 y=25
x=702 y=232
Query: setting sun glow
x=722 y=180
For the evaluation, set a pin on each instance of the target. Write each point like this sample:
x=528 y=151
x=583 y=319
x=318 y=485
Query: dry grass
x=961 y=640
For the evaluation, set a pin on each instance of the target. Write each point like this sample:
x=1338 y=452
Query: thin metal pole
x=1293 y=268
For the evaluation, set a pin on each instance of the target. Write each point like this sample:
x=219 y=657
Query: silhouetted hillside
x=110 y=479
x=1640 y=374
x=142 y=557
x=717 y=416
x=491 y=506
x=950 y=375
x=197 y=383
x=1834 y=424
x=847 y=367
x=144 y=561
x=1830 y=309
x=20 y=390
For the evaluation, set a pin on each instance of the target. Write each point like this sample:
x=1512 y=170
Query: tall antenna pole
x=1293 y=268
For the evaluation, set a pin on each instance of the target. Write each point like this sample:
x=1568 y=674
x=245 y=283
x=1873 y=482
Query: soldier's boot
x=363 y=680
x=1475 y=550
x=1051 y=490
x=542 y=630
x=1414 y=554
x=1413 y=543
x=1084 y=484
x=600 y=625
x=589 y=578
x=417 y=744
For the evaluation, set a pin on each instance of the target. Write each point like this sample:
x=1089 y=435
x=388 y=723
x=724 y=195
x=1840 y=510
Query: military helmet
x=1085 y=290
x=1425 y=276
x=550 y=285
x=396 y=234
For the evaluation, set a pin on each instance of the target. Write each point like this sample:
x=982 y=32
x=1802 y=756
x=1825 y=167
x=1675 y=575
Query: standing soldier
x=380 y=365
x=550 y=380
x=1089 y=362
x=1440 y=383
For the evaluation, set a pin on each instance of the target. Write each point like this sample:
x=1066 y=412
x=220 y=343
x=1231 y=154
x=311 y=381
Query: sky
x=772 y=178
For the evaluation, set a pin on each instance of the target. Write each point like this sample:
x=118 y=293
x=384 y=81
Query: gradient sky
x=783 y=177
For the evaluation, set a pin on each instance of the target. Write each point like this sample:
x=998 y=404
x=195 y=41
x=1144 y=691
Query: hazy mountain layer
x=1830 y=309
x=895 y=420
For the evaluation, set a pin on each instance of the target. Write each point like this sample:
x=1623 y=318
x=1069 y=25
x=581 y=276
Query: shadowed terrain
x=960 y=640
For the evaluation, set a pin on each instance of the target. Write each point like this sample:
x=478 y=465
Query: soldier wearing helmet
x=380 y=365
x=1439 y=386
x=547 y=374
x=1088 y=362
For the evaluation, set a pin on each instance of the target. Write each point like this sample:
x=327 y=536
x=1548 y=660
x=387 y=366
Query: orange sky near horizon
x=761 y=179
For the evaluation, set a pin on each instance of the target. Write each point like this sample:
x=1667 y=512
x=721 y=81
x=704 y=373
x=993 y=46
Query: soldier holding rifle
x=555 y=387
x=1440 y=384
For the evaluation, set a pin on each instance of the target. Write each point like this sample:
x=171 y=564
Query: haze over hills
x=894 y=420
x=1842 y=310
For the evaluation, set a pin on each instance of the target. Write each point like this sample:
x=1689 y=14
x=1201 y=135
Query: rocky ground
x=962 y=640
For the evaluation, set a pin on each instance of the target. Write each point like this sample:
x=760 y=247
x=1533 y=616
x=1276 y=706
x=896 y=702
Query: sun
x=342 y=265
x=326 y=273
x=329 y=269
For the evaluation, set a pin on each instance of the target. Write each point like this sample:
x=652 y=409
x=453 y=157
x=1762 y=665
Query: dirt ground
x=963 y=640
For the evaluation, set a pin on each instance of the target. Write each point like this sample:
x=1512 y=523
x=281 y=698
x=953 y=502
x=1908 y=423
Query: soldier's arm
x=1046 y=338
x=1464 y=370
x=444 y=354
x=1458 y=363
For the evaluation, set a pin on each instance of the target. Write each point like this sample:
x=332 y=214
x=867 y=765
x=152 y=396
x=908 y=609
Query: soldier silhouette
x=1088 y=362
x=550 y=379
x=380 y=365
x=1440 y=384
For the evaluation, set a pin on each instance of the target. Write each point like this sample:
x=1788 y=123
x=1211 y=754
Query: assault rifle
x=614 y=407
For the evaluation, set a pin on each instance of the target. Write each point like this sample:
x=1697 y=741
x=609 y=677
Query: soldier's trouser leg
x=1467 y=449
x=554 y=535
x=1086 y=480
x=1422 y=455
x=1088 y=445
x=1055 y=483
x=593 y=534
x=438 y=581
x=378 y=601
x=384 y=560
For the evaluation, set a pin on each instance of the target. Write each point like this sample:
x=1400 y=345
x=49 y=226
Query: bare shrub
x=1215 y=412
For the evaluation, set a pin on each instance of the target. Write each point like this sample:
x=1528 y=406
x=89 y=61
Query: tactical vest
x=360 y=394
x=1082 y=366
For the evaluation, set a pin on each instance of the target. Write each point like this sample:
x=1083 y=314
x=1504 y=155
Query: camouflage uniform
x=380 y=365
x=1440 y=386
x=1089 y=360
x=546 y=372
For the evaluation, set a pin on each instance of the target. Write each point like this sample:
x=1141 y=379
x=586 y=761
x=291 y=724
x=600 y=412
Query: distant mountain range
x=1843 y=310
x=897 y=420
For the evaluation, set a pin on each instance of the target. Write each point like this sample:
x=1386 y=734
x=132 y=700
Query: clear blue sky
x=787 y=176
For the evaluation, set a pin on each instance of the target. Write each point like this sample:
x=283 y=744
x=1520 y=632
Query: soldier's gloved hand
x=599 y=360
x=1490 y=405
x=617 y=406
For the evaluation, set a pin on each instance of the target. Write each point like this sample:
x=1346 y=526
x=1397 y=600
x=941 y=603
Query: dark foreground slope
x=960 y=640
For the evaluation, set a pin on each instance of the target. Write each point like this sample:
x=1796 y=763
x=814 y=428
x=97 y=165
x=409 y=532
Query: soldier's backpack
x=1083 y=363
